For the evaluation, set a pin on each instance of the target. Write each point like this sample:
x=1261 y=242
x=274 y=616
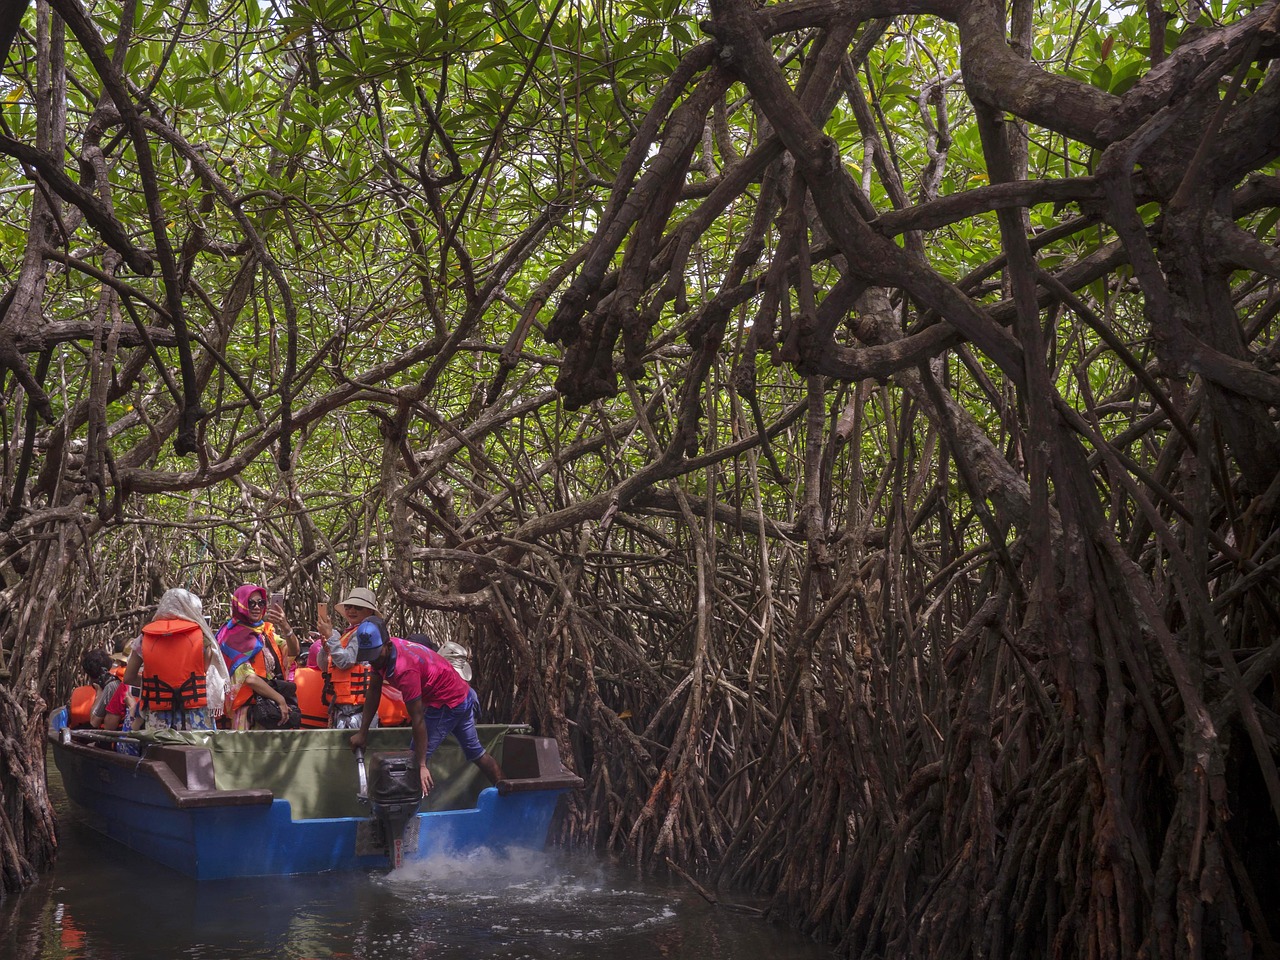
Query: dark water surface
x=103 y=902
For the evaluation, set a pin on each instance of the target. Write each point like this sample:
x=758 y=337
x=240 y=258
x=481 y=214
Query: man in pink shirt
x=439 y=702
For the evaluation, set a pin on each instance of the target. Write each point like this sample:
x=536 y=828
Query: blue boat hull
x=217 y=834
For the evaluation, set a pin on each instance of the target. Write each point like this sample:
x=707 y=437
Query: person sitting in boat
x=177 y=666
x=253 y=657
x=120 y=709
x=116 y=709
x=111 y=683
x=97 y=667
x=313 y=707
x=122 y=714
x=455 y=653
x=346 y=679
x=439 y=702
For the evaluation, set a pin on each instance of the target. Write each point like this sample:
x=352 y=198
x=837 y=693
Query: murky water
x=103 y=902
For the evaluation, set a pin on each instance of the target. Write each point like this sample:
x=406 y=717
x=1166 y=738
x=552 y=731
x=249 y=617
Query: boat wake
x=527 y=897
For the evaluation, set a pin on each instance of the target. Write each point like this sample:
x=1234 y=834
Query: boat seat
x=533 y=763
x=186 y=772
x=193 y=766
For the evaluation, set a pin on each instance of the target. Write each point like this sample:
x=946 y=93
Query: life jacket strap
x=158 y=695
x=327 y=693
x=360 y=681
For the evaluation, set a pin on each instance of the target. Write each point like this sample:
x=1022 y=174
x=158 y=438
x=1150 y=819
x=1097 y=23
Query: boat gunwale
x=157 y=763
x=168 y=763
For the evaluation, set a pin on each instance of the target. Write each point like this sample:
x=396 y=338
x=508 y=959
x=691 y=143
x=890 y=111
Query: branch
x=94 y=210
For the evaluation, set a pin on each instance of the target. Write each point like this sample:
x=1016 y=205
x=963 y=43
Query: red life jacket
x=173 y=676
x=310 y=683
x=259 y=664
x=350 y=685
x=80 y=705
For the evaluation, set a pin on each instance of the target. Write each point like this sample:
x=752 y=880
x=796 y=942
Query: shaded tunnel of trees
x=850 y=427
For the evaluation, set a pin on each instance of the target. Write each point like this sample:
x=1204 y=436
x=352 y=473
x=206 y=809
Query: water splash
x=527 y=898
x=475 y=870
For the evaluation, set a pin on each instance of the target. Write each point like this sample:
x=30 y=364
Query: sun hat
x=362 y=597
x=458 y=656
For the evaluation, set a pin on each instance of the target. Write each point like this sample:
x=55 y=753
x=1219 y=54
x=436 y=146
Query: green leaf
x=1127 y=76
x=151 y=18
x=404 y=80
x=1268 y=222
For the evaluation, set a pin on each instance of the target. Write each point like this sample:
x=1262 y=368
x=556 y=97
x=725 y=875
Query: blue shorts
x=459 y=721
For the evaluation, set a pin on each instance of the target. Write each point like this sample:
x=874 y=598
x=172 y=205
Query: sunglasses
x=256 y=603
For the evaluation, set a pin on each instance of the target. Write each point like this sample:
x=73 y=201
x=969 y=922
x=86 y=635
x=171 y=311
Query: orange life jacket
x=80 y=705
x=391 y=709
x=259 y=664
x=310 y=683
x=173 y=675
x=117 y=671
x=351 y=684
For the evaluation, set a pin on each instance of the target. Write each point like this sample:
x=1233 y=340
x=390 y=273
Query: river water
x=104 y=902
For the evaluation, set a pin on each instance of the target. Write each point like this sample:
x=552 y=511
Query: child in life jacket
x=346 y=679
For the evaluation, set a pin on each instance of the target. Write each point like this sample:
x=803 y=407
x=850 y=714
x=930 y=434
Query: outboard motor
x=394 y=792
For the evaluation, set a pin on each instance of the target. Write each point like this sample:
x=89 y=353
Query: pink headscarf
x=241 y=637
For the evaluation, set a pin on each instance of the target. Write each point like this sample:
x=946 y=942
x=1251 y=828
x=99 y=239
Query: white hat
x=459 y=656
x=362 y=597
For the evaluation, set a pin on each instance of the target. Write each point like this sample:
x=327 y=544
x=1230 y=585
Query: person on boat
x=116 y=709
x=97 y=667
x=313 y=652
x=347 y=680
x=313 y=707
x=439 y=702
x=177 y=666
x=455 y=653
x=119 y=711
x=119 y=657
x=122 y=714
x=252 y=655
x=110 y=684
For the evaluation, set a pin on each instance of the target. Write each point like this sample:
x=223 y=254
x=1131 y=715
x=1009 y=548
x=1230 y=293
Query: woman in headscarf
x=248 y=644
x=177 y=665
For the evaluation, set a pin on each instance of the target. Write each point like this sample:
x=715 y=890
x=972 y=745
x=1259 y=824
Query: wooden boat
x=214 y=805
